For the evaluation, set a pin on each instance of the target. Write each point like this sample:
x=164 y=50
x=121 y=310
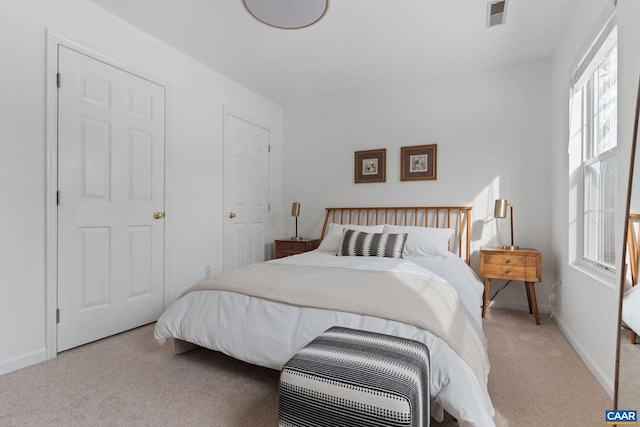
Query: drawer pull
x=508 y=260
x=508 y=270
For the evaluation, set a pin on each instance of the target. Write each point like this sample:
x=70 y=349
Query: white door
x=110 y=183
x=246 y=192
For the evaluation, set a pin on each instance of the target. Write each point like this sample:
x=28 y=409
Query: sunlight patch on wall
x=487 y=230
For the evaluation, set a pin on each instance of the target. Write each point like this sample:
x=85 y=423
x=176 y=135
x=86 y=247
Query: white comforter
x=252 y=329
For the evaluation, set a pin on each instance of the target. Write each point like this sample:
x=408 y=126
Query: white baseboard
x=23 y=361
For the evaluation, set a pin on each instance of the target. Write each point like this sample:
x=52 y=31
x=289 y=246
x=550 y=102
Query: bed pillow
x=360 y=243
x=423 y=241
x=334 y=231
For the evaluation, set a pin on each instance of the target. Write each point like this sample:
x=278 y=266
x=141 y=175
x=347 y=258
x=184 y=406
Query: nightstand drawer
x=292 y=246
x=506 y=271
x=511 y=260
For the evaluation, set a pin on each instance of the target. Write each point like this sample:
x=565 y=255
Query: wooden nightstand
x=522 y=264
x=287 y=247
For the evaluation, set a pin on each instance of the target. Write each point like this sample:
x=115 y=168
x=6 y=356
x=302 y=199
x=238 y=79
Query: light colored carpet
x=536 y=377
x=629 y=386
x=129 y=379
x=536 y=380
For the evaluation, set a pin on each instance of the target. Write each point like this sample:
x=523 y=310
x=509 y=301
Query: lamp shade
x=295 y=209
x=500 y=209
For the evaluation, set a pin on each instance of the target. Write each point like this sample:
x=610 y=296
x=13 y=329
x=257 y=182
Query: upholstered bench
x=348 y=377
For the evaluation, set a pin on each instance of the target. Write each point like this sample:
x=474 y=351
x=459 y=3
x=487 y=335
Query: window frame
x=585 y=78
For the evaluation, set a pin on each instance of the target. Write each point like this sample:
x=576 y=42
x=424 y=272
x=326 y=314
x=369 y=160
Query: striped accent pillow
x=359 y=243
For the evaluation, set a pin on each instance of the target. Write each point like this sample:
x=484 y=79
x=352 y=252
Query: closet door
x=111 y=200
x=246 y=192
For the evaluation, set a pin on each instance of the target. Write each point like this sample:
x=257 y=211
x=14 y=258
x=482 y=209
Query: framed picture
x=418 y=162
x=370 y=166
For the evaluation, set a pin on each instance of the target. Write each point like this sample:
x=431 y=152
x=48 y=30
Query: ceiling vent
x=496 y=13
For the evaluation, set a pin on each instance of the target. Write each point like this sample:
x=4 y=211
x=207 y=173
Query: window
x=594 y=128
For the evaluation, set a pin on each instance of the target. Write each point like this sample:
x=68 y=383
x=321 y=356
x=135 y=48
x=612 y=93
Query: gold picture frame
x=419 y=162
x=370 y=166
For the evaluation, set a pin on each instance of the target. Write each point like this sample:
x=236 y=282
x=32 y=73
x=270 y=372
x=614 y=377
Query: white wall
x=492 y=132
x=196 y=97
x=587 y=313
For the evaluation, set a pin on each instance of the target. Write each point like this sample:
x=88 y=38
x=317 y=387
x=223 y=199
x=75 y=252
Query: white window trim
x=601 y=45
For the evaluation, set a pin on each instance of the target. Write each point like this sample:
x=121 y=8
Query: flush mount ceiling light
x=287 y=14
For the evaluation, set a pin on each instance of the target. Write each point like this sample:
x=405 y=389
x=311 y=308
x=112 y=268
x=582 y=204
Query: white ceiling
x=359 y=46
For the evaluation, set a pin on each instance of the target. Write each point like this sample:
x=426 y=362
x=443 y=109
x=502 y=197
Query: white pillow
x=423 y=241
x=333 y=234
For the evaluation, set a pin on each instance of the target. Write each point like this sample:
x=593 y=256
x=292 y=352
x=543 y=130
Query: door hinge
x=58 y=80
x=57 y=198
x=269 y=148
x=57 y=315
x=268 y=207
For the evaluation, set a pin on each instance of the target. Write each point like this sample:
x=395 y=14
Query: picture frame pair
x=417 y=163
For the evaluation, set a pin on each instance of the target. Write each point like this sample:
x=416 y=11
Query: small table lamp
x=500 y=211
x=295 y=211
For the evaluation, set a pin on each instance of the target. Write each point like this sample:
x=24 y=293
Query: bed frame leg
x=180 y=346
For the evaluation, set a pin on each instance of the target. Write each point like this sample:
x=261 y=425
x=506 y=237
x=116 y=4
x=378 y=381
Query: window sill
x=606 y=278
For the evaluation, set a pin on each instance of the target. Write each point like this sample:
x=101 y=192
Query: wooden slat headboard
x=633 y=253
x=456 y=217
x=633 y=245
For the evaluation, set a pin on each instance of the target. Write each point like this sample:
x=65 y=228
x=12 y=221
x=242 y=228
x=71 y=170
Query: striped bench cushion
x=348 y=377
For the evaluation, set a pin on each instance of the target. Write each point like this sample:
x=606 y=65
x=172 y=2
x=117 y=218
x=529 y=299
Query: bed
x=631 y=298
x=265 y=313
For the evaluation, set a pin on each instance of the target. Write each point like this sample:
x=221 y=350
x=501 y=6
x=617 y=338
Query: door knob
x=232 y=214
x=158 y=214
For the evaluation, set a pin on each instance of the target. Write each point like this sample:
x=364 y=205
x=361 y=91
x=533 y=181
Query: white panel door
x=110 y=183
x=246 y=192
